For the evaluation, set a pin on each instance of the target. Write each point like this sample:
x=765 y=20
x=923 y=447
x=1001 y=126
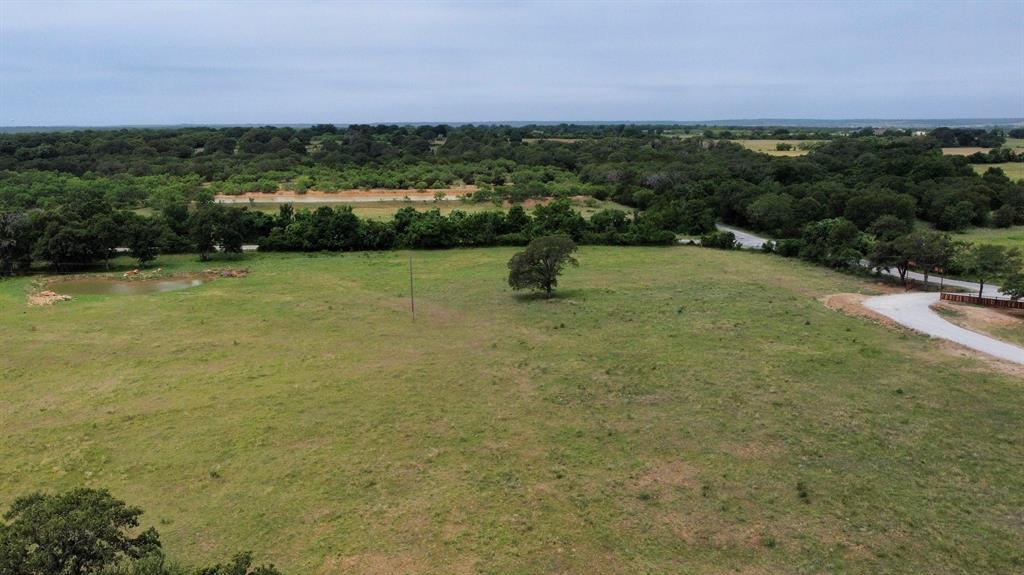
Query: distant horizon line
x=736 y=122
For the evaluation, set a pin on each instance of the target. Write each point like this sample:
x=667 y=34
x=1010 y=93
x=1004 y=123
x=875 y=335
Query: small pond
x=100 y=286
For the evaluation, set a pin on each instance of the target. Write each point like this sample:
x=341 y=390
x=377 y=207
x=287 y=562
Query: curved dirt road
x=913 y=310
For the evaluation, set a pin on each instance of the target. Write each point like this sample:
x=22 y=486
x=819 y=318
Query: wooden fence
x=985 y=301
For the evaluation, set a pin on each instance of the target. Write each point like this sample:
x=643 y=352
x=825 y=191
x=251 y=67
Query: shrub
x=719 y=240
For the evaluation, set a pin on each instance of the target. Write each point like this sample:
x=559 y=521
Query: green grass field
x=1013 y=170
x=1014 y=143
x=675 y=410
x=1011 y=237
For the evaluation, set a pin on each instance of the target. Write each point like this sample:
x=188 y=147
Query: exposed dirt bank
x=348 y=196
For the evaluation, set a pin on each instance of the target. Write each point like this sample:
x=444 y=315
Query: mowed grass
x=1013 y=170
x=768 y=146
x=674 y=410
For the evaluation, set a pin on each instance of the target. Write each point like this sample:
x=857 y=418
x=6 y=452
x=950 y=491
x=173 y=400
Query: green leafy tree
x=957 y=217
x=1004 y=216
x=540 y=264
x=885 y=255
x=202 y=227
x=74 y=533
x=926 y=250
x=834 y=242
x=229 y=229
x=773 y=213
x=888 y=228
x=1013 y=285
x=145 y=237
x=17 y=237
x=988 y=261
x=558 y=218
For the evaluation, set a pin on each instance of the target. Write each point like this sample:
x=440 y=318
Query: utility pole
x=412 y=296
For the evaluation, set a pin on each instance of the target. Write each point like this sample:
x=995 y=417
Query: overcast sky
x=104 y=63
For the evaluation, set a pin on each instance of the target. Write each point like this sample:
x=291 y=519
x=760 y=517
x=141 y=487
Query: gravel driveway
x=913 y=310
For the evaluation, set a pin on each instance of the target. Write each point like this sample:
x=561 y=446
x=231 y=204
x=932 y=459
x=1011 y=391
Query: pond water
x=99 y=286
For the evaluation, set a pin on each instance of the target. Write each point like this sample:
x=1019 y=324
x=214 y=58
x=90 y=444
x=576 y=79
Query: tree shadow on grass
x=557 y=295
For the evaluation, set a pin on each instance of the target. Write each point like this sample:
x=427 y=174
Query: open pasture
x=1011 y=237
x=672 y=410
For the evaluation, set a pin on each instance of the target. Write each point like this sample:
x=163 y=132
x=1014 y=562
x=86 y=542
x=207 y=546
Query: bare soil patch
x=965 y=151
x=852 y=304
x=349 y=196
x=673 y=474
x=977 y=318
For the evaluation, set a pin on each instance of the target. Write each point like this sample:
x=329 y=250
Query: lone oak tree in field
x=539 y=266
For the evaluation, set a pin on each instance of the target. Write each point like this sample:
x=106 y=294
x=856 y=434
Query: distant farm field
x=769 y=146
x=1015 y=143
x=964 y=151
x=1013 y=170
x=674 y=410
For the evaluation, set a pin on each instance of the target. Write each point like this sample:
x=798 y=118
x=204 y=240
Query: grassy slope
x=655 y=418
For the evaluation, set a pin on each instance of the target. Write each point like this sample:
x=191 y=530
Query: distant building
x=919 y=133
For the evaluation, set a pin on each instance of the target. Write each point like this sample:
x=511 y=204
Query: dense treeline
x=968 y=137
x=86 y=230
x=61 y=190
